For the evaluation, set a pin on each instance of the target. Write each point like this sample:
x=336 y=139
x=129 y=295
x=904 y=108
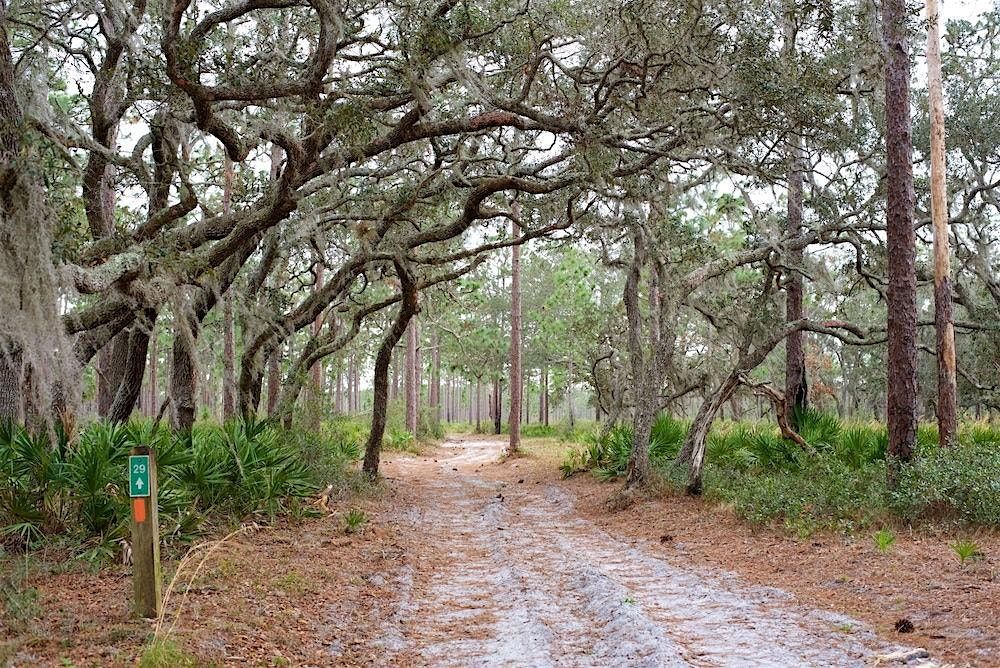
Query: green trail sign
x=138 y=475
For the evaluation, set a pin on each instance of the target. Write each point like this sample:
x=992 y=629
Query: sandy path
x=508 y=574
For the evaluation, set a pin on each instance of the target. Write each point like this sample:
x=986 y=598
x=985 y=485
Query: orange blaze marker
x=139 y=509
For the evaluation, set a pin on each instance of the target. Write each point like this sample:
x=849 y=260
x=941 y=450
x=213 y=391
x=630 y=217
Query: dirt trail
x=508 y=573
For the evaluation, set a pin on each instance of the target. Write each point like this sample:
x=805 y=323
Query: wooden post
x=146 y=575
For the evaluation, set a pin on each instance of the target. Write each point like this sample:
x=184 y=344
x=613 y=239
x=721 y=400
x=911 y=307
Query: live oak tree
x=269 y=190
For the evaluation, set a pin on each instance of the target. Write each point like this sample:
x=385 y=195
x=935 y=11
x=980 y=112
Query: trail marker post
x=146 y=575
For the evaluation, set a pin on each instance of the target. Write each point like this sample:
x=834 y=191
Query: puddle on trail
x=517 y=578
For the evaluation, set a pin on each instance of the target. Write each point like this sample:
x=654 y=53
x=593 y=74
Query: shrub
x=961 y=482
x=607 y=456
x=818 y=429
x=76 y=487
x=840 y=486
x=861 y=444
x=821 y=494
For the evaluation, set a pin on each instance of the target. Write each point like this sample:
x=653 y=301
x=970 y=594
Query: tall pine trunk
x=479 y=404
x=947 y=381
x=901 y=395
x=411 y=389
x=435 y=388
x=516 y=375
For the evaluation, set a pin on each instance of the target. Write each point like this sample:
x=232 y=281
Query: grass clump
x=354 y=519
x=884 y=540
x=164 y=653
x=18 y=601
x=966 y=550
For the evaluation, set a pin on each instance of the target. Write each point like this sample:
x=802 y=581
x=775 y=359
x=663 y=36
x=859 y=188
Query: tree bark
x=543 y=399
x=698 y=432
x=153 y=395
x=411 y=378
x=228 y=325
x=407 y=309
x=901 y=297
x=135 y=366
x=273 y=380
x=947 y=381
x=435 y=389
x=112 y=360
x=796 y=385
x=641 y=358
x=516 y=375
x=338 y=397
x=316 y=371
x=395 y=378
x=356 y=374
x=497 y=407
x=570 y=410
x=11 y=380
x=479 y=404
x=187 y=327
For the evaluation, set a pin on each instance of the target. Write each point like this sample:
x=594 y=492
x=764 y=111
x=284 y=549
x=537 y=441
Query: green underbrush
x=71 y=491
x=839 y=483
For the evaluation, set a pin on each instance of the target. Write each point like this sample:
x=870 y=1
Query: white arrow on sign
x=138 y=483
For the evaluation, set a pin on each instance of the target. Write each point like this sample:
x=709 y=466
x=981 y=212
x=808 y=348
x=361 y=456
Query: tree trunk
x=355 y=384
x=316 y=371
x=153 y=395
x=479 y=403
x=694 y=444
x=516 y=375
x=901 y=400
x=273 y=380
x=419 y=369
x=447 y=399
x=570 y=411
x=435 y=390
x=228 y=358
x=135 y=366
x=527 y=400
x=395 y=378
x=641 y=359
x=407 y=309
x=796 y=386
x=947 y=381
x=11 y=381
x=183 y=379
x=543 y=399
x=639 y=468
x=497 y=407
x=111 y=362
x=338 y=397
x=410 y=385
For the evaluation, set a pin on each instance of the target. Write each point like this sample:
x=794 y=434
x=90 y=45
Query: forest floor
x=465 y=561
